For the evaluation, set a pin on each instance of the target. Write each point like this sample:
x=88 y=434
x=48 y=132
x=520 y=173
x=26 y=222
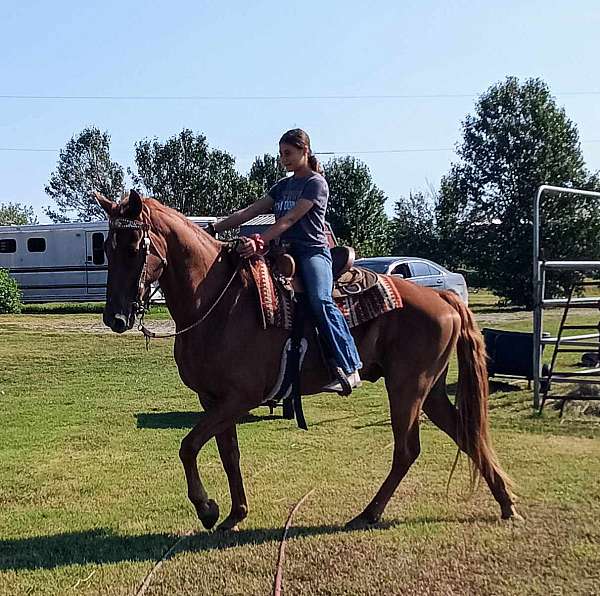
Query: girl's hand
x=250 y=246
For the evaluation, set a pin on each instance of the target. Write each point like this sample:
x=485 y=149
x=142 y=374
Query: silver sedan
x=419 y=271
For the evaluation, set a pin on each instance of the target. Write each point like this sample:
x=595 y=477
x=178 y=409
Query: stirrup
x=344 y=383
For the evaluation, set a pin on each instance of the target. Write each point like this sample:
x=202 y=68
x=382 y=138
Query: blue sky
x=263 y=48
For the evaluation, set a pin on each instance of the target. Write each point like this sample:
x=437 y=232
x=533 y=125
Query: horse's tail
x=472 y=396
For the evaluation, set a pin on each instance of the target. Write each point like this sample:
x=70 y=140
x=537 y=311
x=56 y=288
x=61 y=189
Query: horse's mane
x=156 y=206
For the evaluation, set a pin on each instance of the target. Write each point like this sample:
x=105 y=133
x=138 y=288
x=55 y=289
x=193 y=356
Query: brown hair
x=299 y=139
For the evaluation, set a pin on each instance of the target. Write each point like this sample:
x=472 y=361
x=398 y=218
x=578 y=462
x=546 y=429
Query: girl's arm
x=250 y=245
x=302 y=207
x=263 y=205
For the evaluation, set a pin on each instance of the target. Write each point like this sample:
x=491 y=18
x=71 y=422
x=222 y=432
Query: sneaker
x=336 y=386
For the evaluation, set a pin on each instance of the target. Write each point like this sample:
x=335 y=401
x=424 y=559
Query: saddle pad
x=277 y=304
x=378 y=299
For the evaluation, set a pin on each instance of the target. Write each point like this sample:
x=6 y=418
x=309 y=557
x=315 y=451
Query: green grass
x=157 y=311
x=63 y=308
x=92 y=491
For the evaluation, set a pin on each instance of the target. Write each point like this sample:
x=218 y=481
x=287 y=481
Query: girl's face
x=292 y=158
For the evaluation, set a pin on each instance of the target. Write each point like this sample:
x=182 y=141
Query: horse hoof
x=225 y=528
x=361 y=522
x=208 y=513
x=512 y=515
x=229 y=524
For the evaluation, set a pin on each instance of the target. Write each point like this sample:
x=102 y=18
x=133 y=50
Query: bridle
x=142 y=301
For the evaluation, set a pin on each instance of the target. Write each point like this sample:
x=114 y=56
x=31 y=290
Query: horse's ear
x=134 y=205
x=107 y=205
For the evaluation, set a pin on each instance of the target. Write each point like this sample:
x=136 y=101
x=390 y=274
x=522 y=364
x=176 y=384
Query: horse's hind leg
x=443 y=414
x=405 y=401
x=229 y=451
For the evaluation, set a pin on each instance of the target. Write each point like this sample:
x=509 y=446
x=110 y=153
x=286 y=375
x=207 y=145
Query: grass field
x=92 y=493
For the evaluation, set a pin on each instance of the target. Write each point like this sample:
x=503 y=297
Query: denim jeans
x=314 y=266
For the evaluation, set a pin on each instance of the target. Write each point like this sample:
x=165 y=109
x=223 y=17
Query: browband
x=122 y=223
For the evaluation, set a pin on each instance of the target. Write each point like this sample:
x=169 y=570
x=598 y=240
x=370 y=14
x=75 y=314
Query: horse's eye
x=132 y=251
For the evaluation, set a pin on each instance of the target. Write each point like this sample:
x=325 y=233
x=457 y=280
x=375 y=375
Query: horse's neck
x=194 y=272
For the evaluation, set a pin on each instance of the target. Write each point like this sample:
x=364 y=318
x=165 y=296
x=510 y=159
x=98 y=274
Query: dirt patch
x=503 y=317
x=71 y=323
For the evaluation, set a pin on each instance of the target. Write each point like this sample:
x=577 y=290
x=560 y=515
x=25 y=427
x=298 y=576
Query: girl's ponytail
x=315 y=164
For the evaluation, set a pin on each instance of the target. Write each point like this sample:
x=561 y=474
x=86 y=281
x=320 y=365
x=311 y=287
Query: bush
x=474 y=278
x=10 y=295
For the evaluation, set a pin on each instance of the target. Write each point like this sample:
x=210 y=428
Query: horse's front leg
x=227 y=443
x=211 y=423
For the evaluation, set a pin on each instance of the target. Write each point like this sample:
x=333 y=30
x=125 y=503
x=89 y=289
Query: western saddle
x=348 y=280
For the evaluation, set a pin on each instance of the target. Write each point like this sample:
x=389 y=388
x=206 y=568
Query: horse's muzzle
x=118 y=323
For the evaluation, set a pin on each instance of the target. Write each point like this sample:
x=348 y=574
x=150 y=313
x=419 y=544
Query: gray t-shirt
x=309 y=230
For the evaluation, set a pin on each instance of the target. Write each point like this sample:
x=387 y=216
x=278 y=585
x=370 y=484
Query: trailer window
x=36 y=244
x=98 y=248
x=8 y=245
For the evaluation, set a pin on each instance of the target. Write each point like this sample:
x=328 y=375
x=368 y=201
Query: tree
x=356 y=207
x=265 y=172
x=184 y=173
x=517 y=140
x=414 y=228
x=84 y=165
x=15 y=214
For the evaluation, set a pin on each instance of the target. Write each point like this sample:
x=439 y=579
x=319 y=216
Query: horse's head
x=132 y=265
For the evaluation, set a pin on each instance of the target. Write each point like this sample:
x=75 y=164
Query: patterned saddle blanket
x=360 y=294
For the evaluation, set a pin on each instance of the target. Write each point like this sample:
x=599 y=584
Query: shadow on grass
x=167 y=419
x=504 y=386
x=495 y=387
x=330 y=420
x=383 y=423
x=186 y=419
x=102 y=546
x=81 y=548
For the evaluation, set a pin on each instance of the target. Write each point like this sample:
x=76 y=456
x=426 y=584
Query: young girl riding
x=299 y=203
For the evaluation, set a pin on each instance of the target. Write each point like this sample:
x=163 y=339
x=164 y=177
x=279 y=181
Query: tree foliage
x=356 y=207
x=84 y=165
x=184 y=173
x=517 y=139
x=414 y=229
x=265 y=172
x=15 y=214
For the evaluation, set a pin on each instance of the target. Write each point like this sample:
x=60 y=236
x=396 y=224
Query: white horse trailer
x=60 y=262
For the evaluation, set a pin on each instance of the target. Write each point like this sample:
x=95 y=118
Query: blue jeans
x=314 y=266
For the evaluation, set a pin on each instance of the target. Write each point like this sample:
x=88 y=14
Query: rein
x=152 y=335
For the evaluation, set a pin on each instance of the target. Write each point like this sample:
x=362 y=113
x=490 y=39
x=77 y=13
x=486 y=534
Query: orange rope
x=288 y=523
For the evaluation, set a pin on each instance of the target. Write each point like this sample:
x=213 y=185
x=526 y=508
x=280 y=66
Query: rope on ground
x=142 y=589
x=87 y=579
x=288 y=524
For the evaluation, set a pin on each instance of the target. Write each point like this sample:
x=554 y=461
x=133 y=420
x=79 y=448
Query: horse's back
x=421 y=301
x=425 y=317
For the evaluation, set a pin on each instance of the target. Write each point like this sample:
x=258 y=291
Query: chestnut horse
x=227 y=358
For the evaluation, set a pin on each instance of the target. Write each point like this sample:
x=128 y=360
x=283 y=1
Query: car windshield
x=377 y=266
